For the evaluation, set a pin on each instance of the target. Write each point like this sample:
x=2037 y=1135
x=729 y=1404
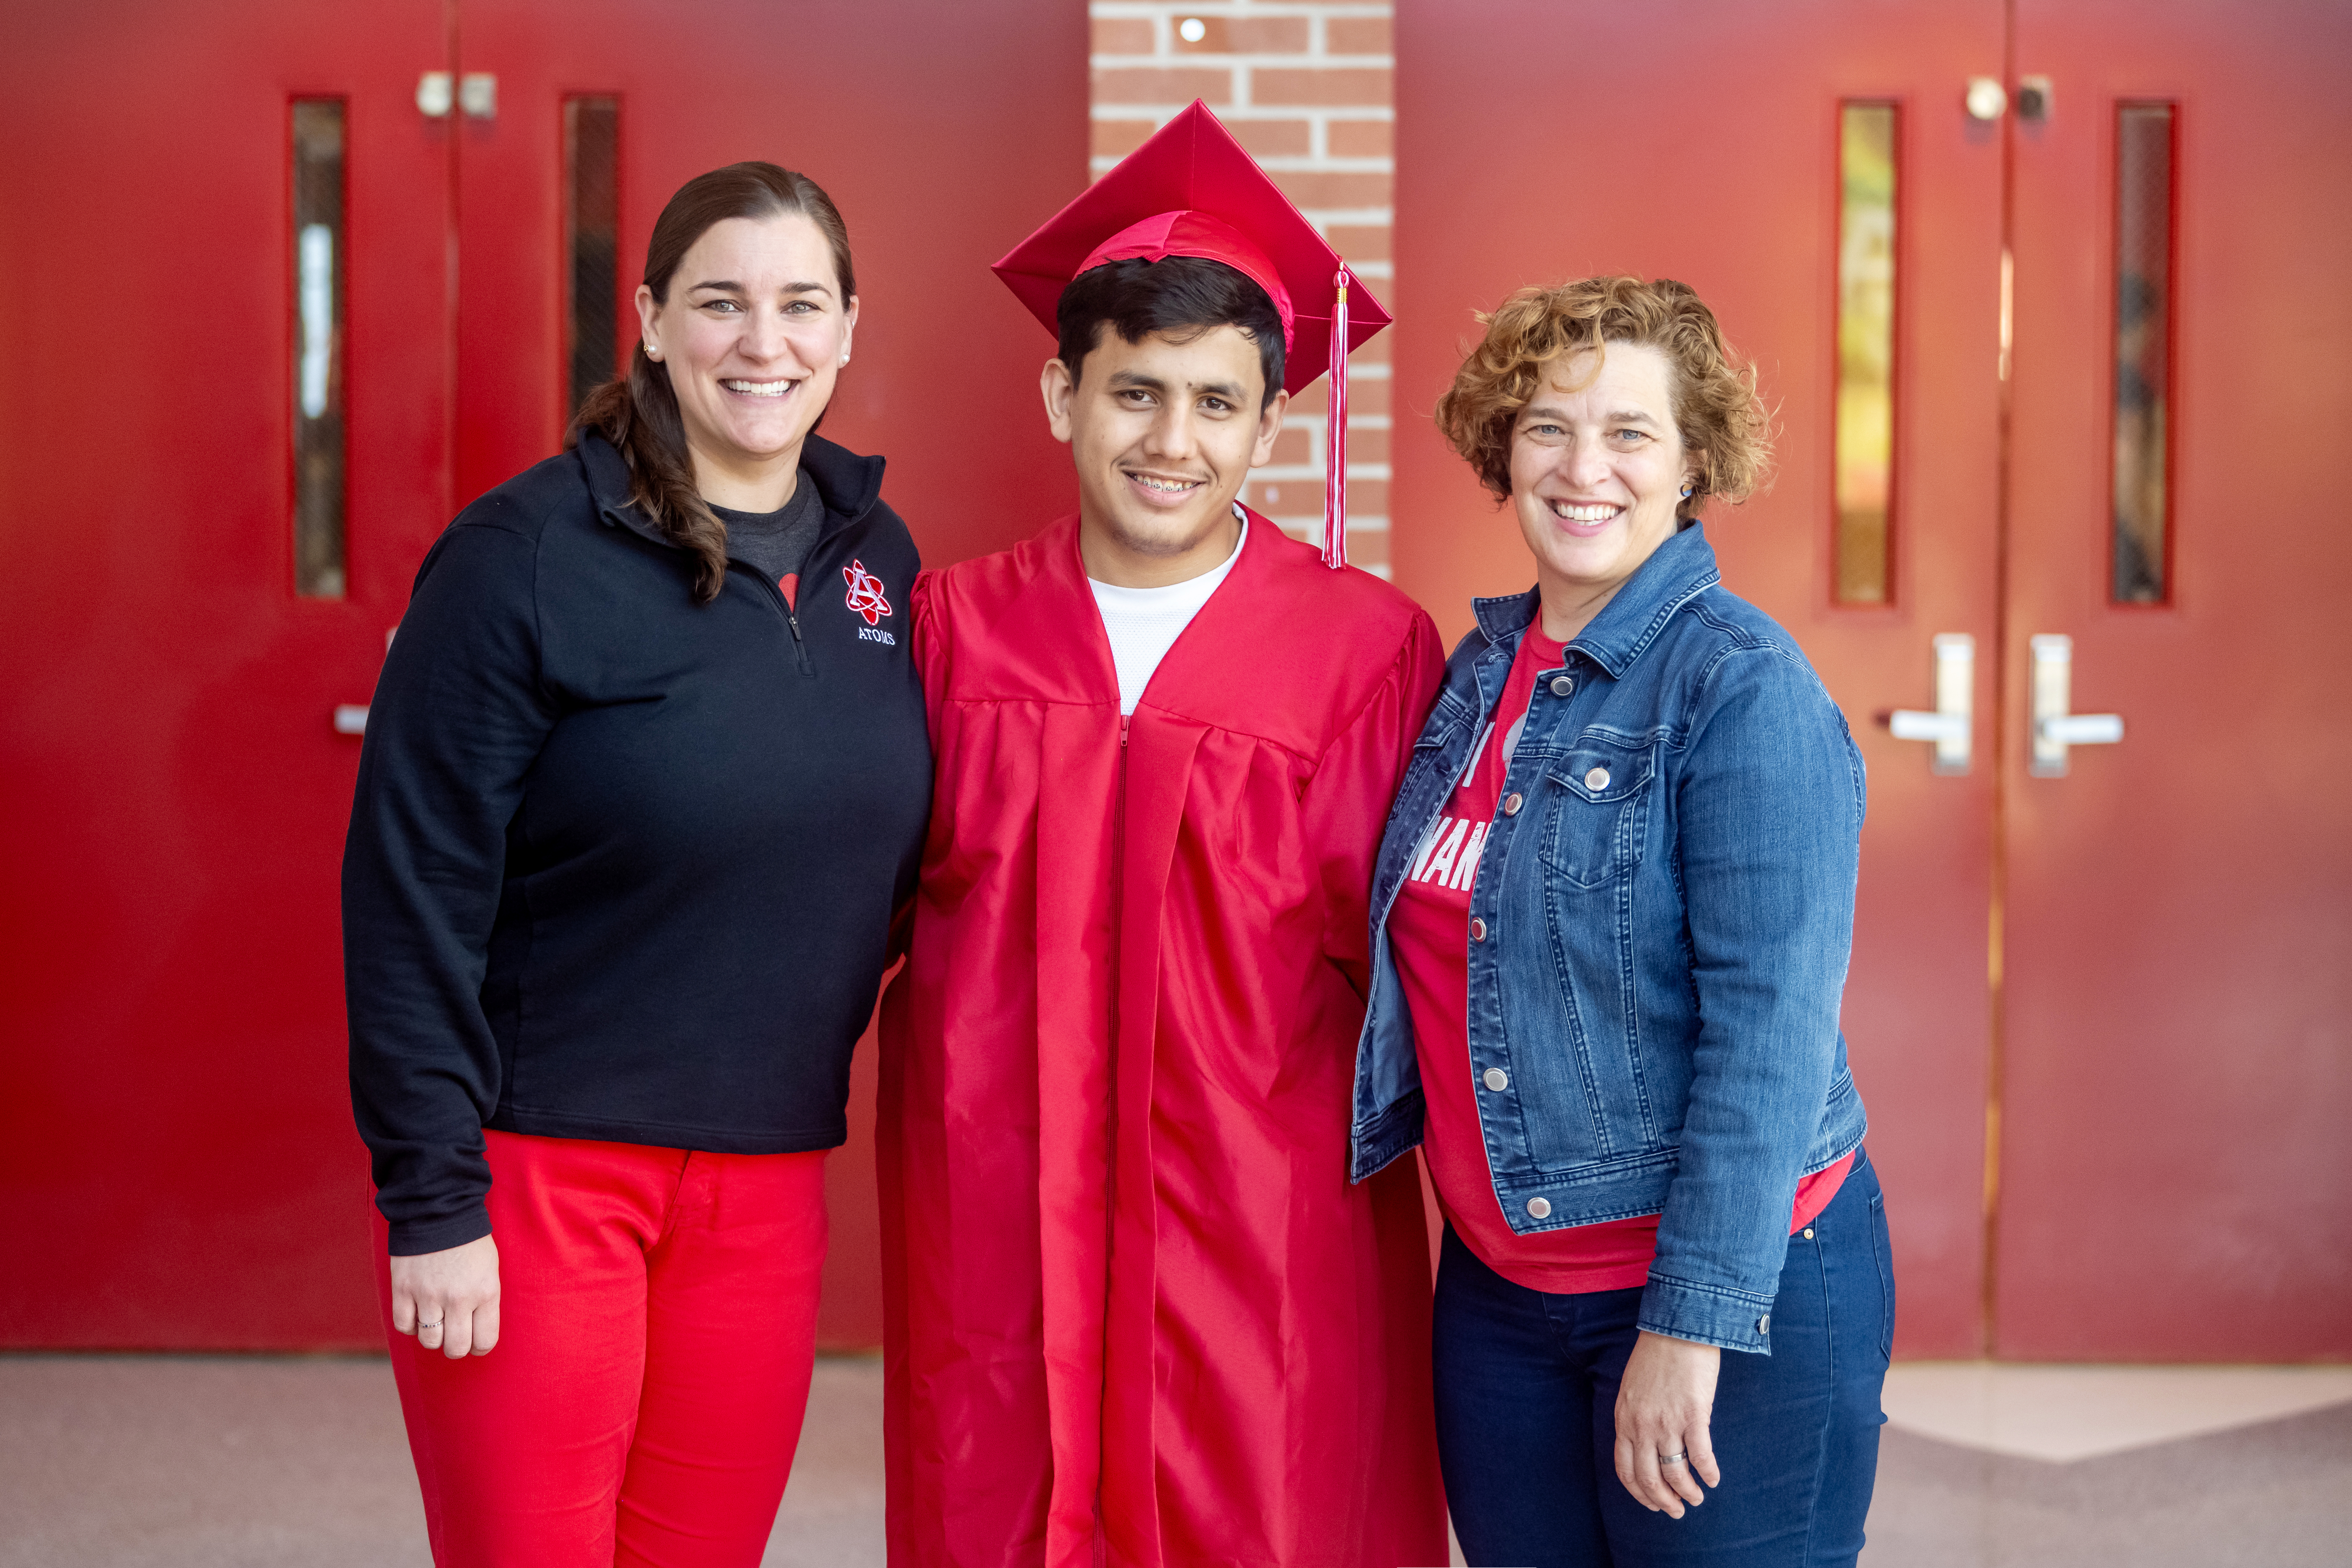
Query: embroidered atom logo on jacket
x=865 y=593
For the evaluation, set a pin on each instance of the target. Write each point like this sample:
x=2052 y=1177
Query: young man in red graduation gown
x=1136 y=1314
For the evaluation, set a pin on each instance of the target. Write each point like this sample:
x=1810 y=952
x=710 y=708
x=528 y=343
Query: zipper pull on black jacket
x=800 y=644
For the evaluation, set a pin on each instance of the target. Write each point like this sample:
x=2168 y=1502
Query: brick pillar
x=1306 y=86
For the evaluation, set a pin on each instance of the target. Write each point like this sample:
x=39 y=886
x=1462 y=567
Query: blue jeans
x=1527 y=1397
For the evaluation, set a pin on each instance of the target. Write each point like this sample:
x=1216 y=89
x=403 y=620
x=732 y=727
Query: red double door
x=248 y=242
x=2102 y=1017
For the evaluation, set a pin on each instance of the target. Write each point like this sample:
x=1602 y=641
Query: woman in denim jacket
x=1612 y=913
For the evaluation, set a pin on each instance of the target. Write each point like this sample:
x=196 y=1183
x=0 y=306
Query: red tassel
x=1334 y=437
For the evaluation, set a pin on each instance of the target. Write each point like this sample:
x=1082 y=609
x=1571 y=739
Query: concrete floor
x=265 y=1462
x=270 y=1462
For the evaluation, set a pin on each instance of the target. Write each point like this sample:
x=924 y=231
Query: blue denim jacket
x=1663 y=951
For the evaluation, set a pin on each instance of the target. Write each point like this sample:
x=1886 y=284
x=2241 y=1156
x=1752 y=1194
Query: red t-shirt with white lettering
x=1429 y=934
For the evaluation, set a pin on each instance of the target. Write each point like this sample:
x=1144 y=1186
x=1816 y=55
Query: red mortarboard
x=1191 y=190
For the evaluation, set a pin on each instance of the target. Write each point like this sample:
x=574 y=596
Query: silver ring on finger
x=434 y=1324
x=1670 y=1458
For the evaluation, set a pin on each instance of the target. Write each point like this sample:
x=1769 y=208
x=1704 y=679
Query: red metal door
x=1539 y=140
x=943 y=131
x=2176 y=1171
x=2158 y=1046
x=176 y=1142
x=175 y=1136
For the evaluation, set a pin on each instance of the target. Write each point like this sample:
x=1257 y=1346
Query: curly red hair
x=1724 y=425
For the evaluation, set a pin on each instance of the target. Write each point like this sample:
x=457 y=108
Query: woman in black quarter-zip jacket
x=645 y=777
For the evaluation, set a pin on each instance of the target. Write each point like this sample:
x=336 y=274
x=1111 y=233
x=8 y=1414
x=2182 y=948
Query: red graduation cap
x=1191 y=190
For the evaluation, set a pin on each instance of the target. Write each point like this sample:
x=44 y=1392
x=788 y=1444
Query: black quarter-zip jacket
x=620 y=865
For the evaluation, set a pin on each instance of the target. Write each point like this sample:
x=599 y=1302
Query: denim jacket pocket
x=1600 y=809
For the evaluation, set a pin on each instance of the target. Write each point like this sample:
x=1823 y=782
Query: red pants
x=657 y=1319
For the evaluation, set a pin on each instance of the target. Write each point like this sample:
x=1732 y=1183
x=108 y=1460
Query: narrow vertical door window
x=591 y=244
x=2143 y=340
x=1864 y=462
x=318 y=273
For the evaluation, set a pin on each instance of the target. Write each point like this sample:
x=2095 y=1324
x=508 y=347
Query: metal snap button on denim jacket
x=1667 y=921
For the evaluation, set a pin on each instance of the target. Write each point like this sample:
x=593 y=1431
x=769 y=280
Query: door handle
x=478 y=95
x=2055 y=727
x=1954 y=719
x=351 y=718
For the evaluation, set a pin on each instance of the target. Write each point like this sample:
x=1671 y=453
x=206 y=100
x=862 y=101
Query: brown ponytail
x=637 y=413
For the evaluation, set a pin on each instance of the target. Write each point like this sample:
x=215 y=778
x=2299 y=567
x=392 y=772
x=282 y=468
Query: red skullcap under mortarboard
x=1191 y=190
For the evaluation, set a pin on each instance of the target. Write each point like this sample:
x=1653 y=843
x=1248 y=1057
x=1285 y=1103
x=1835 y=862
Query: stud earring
x=1686 y=491
x=844 y=358
x=652 y=352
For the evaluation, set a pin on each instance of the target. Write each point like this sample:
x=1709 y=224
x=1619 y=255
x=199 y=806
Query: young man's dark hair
x=1178 y=296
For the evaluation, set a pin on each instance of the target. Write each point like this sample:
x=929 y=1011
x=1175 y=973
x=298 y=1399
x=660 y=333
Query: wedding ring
x=1670 y=1458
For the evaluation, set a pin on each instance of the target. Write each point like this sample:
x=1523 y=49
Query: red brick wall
x=1306 y=86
